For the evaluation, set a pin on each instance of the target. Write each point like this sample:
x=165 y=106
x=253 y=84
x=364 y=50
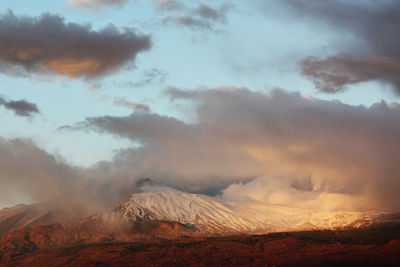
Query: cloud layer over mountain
x=305 y=152
x=278 y=148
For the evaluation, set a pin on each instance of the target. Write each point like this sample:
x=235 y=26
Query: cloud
x=29 y=169
x=202 y=17
x=151 y=76
x=371 y=54
x=48 y=45
x=135 y=106
x=210 y=13
x=333 y=74
x=168 y=5
x=98 y=3
x=300 y=193
x=20 y=107
x=305 y=152
x=36 y=175
x=188 y=21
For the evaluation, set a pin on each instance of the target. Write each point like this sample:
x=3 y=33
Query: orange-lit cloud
x=46 y=44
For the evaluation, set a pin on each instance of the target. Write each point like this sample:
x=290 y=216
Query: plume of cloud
x=36 y=175
x=372 y=53
x=47 y=44
x=306 y=152
x=20 y=107
x=30 y=170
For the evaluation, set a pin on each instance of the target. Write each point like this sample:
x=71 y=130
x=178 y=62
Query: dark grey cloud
x=306 y=152
x=335 y=73
x=372 y=54
x=20 y=107
x=47 y=44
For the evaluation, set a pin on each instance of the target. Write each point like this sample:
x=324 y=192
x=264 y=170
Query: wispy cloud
x=132 y=105
x=151 y=76
x=202 y=17
x=98 y=3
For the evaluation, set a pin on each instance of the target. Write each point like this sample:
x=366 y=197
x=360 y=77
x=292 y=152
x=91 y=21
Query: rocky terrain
x=376 y=246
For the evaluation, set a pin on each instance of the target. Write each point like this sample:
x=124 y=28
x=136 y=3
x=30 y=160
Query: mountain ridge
x=162 y=212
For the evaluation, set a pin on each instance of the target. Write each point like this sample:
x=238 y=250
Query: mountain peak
x=148 y=185
x=144 y=181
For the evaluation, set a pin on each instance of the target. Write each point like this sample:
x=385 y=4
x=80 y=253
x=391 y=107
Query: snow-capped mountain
x=200 y=213
x=212 y=215
x=161 y=212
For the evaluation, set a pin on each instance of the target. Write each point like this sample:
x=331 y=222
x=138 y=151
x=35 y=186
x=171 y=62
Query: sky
x=281 y=102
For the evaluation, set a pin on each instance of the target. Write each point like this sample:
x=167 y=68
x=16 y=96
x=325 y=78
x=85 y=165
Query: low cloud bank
x=276 y=148
x=306 y=152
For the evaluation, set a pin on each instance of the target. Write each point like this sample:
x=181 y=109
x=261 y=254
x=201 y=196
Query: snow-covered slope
x=204 y=214
x=213 y=215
